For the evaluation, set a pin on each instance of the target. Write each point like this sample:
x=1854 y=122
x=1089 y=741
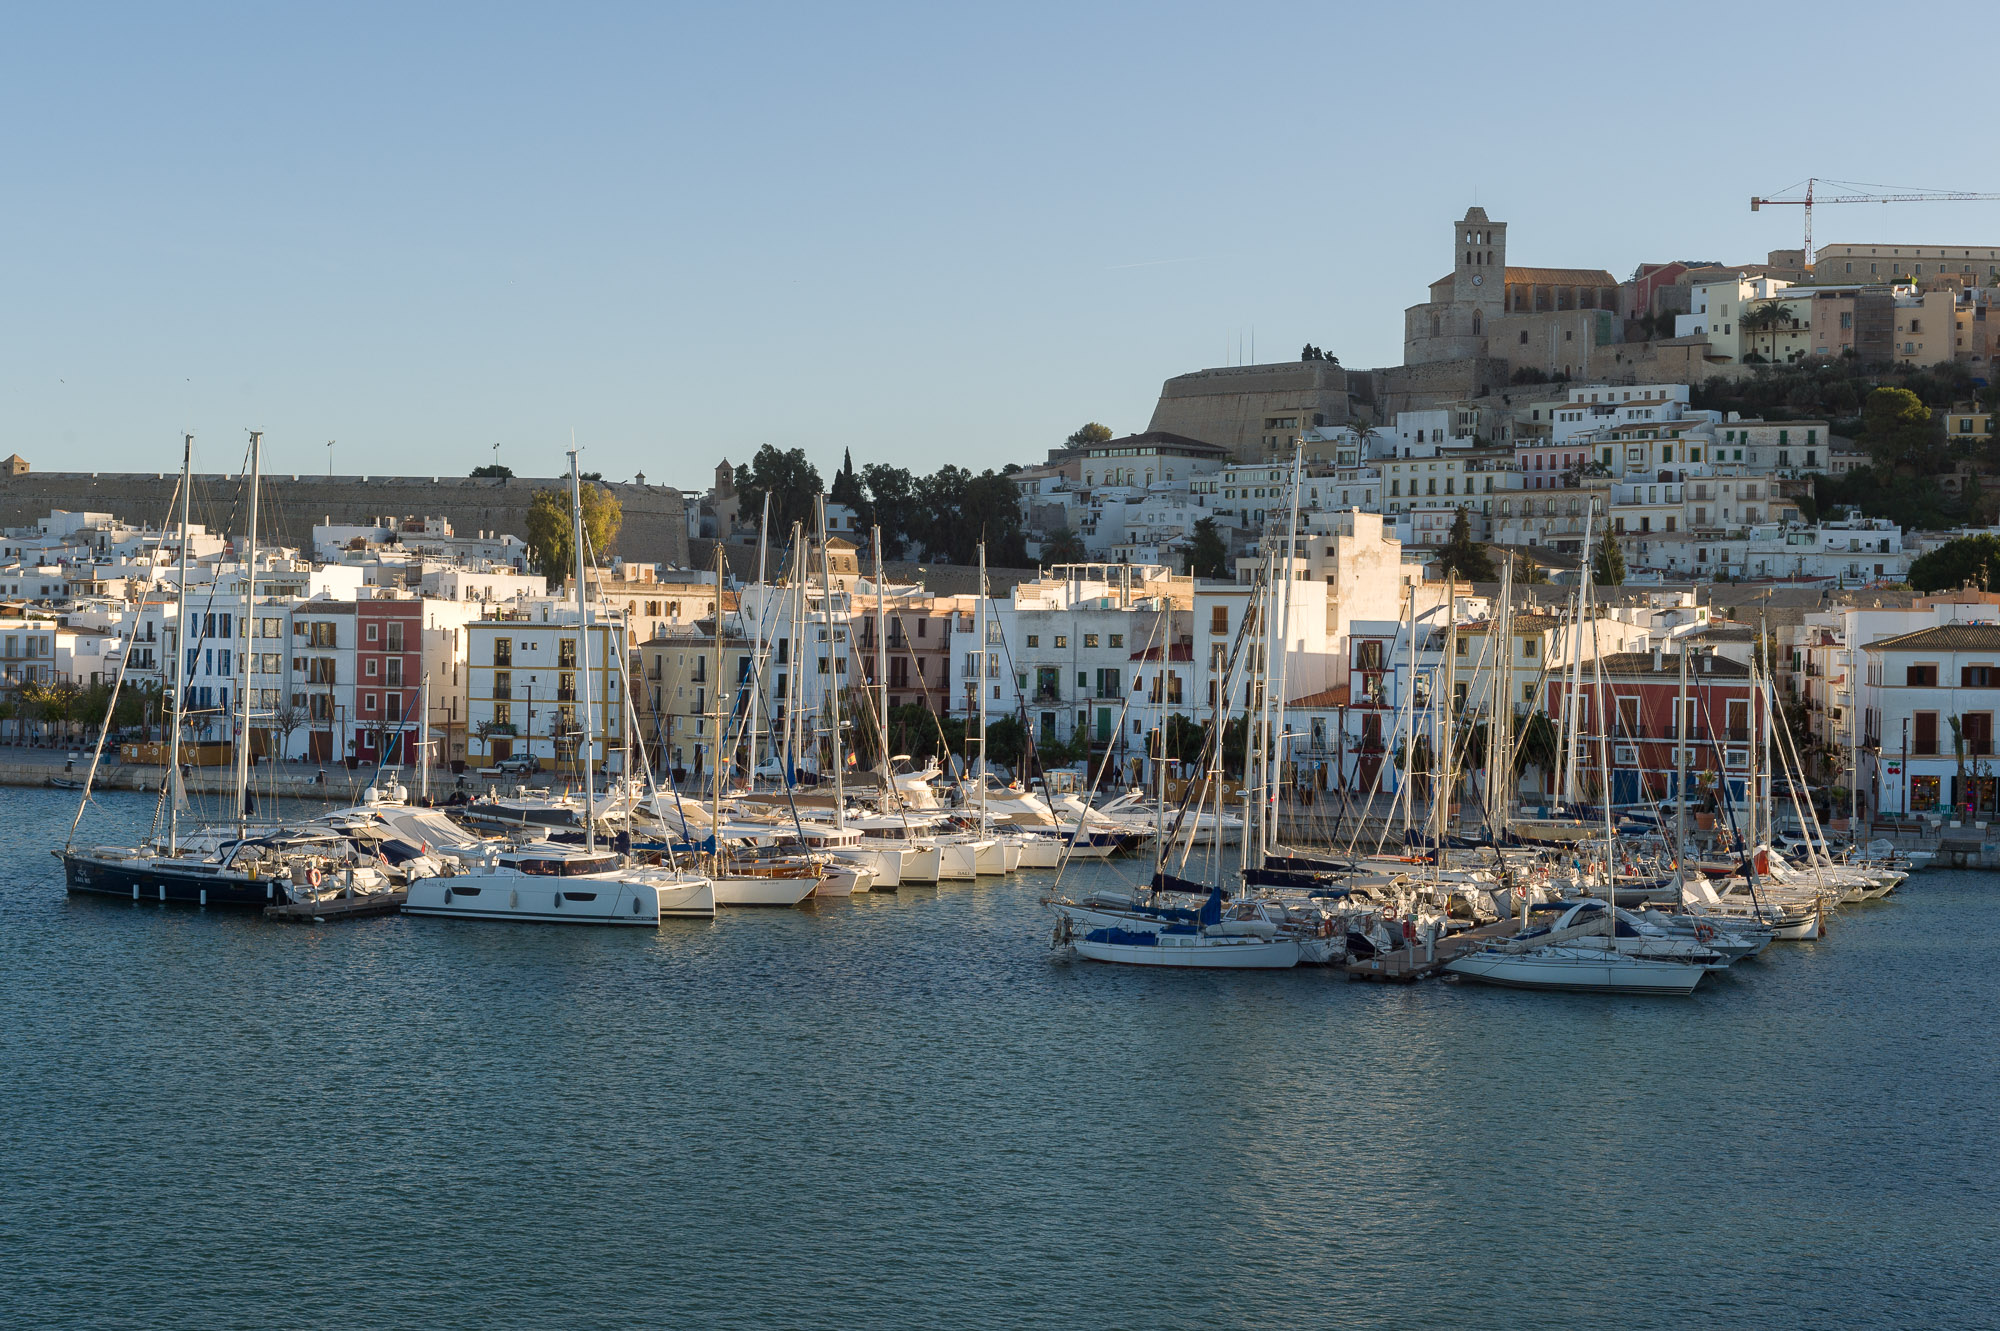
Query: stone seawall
x=655 y=517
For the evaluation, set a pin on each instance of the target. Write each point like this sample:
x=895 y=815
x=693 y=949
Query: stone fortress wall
x=655 y=527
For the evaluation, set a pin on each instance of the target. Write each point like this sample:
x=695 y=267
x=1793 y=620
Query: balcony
x=1048 y=695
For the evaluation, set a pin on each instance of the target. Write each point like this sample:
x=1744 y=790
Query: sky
x=922 y=233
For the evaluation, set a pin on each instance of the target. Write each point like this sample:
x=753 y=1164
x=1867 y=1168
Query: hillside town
x=1543 y=420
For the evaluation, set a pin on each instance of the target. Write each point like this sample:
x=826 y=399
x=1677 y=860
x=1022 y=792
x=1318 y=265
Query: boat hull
x=921 y=865
x=1576 y=975
x=534 y=899
x=164 y=881
x=1195 y=952
x=1040 y=852
x=763 y=891
x=957 y=861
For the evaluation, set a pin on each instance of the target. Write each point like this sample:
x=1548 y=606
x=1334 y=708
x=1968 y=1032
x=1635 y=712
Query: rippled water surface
x=899 y=1110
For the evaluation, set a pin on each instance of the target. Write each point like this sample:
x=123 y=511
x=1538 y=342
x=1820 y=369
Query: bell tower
x=1479 y=259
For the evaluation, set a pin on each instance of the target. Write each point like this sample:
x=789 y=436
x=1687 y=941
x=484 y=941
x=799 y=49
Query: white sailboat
x=546 y=883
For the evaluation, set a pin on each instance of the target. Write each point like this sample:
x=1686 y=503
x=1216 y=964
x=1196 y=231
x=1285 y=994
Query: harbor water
x=905 y=1110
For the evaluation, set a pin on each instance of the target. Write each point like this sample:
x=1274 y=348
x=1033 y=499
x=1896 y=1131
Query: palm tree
x=1770 y=318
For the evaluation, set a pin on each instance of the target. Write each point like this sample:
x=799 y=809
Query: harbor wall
x=655 y=527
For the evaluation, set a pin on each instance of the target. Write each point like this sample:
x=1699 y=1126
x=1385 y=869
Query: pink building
x=1542 y=465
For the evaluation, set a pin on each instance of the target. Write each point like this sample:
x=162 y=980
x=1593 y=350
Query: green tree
x=846 y=488
x=1607 y=565
x=1969 y=559
x=1972 y=497
x=493 y=471
x=548 y=533
x=792 y=482
x=1899 y=431
x=952 y=511
x=1463 y=555
x=1089 y=434
x=891 y=505
x=1208 y=553
x=1006 y=742
x=1184 y=738
x=1535 y=744
x=1063 y=546
x=1770 y=319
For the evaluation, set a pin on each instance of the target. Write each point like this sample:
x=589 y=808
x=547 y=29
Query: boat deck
x=1407 y=966
x=332 y=909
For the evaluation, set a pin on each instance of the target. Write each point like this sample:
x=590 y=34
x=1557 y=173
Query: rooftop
x=1944 y=638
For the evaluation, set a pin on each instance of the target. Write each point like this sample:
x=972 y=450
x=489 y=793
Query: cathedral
x=1546 y=319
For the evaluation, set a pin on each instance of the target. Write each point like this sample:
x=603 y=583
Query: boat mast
x=834 y=677
x=1680 y=769
x=715 y=714
x=1408 y=791
x=1446 y=726
x=1572 y=696
x=1285 y=626
x=756 y=628
x=424 y=742
x=983 y=674
x=249 y=636
x=882 y=673
x=583 y=654
x=1604 y=766
x=1500 y=731
x=180 y=661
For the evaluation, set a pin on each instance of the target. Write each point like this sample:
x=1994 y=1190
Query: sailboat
x=548 y=883
x=236 y=866
x=1249 y=934
x=1584 y=951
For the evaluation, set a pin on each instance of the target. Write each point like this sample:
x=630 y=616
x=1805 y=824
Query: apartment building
x=525 y=678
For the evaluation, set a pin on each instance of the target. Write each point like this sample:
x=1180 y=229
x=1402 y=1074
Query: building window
x=371 y=632
x=1034 y=639
x=1062 y=640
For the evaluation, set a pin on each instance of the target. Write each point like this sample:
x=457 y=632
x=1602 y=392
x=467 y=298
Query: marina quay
x=739 y=668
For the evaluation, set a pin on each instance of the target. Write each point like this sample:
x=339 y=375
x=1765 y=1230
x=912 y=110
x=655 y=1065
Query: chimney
x=1708 y=662
x=1657 y=649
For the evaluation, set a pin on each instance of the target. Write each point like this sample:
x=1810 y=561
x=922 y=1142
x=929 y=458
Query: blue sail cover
x=1166 y=882
x=1123 y=937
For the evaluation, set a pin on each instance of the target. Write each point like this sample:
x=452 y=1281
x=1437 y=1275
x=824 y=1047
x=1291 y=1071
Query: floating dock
x=1407 y=965
x=330 y=909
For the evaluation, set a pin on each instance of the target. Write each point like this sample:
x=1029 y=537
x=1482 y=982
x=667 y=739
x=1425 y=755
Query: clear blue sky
x=929 y=233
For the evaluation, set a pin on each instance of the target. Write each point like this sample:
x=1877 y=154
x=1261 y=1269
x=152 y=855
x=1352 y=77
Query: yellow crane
x=1880 y=194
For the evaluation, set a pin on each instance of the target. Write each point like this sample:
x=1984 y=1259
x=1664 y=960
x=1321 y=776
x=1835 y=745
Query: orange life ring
x=312 y=877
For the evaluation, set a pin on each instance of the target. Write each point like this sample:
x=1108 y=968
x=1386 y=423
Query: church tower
x=1455 y=323
x=1479 y=273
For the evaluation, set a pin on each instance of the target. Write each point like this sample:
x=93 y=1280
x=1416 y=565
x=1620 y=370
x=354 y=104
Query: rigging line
x=1085 y=805
x=111 y=703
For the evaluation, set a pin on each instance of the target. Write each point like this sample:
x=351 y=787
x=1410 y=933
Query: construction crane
x=1886 y=194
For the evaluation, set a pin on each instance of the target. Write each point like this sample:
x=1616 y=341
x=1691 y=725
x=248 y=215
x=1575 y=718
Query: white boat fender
x=513 y=899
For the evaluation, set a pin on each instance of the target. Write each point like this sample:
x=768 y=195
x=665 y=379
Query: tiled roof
x=1943 y=638
x=1324 y=698
x=1560 y=277
x=1641 y=663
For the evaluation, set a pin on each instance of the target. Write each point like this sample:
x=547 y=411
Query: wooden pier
x=330 y=909
x=1407 y=965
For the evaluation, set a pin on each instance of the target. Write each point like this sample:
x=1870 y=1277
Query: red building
x=387 y=679
x=1641 y=689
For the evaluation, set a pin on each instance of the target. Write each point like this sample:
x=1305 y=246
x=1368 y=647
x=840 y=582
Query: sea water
x=906 y=1110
